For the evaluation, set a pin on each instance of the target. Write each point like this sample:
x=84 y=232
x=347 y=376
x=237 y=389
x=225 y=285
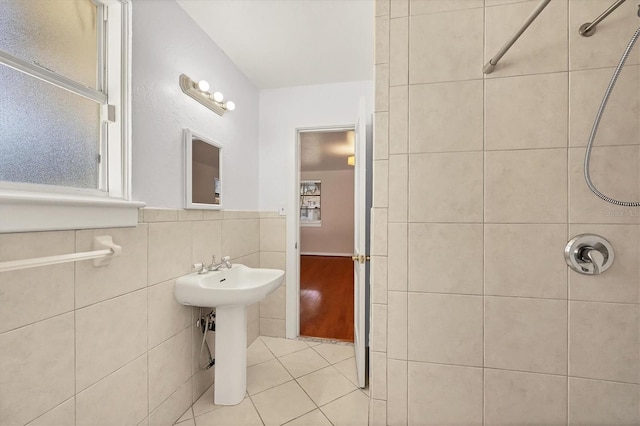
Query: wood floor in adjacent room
x=326 y=297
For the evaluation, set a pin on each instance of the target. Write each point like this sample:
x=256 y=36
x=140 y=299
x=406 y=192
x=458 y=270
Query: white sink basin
x=239 y=285
x=230 y=291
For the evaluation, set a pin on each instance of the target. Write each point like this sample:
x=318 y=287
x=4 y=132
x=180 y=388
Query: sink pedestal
x=231 y=355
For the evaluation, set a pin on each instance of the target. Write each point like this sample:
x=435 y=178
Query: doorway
x=326 y=233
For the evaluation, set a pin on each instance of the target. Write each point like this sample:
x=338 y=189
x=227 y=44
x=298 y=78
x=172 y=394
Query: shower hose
x=592 y=136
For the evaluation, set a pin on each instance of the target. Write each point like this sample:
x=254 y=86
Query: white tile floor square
x=292 y=382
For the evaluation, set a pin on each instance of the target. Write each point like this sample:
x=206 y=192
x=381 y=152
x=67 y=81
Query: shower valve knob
x=589 y=254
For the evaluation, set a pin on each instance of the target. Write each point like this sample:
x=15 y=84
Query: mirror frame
x=188 y=136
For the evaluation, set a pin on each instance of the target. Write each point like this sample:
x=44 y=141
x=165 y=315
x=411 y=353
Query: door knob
x=589 y=254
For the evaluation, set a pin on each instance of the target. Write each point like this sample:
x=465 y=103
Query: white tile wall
x=436 y=250
x=522 y=112
x=445 y=329
x=36 y=367
x=620 y=125
x=524 y=398
x=399 y=51
x=509 y=275
x=435 y=51
x=603 y=341
x=398 y=119
x=127 y=273
x=109 y=335
x=86 y=339
x=456 y=125
x=517 y=192
x=490 y=326
x=541 y=49
x=444 y=394
x=602 y=403
x=118 y=399
x=270 y=318
x=613 y=36
x=445 y=187
x=35 y=294
x=526 y=334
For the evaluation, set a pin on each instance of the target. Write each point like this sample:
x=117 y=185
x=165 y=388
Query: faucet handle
x=596 y=258
x=226 y=258
x=201 y=267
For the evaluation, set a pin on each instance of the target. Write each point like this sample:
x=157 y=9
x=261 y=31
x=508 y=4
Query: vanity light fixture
x=200 y=92
x=203 y=86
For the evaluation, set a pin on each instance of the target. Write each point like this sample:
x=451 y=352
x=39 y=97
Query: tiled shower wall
x=110 y=345
x=477 y=188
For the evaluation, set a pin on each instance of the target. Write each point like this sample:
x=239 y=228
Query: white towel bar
x=104 y=251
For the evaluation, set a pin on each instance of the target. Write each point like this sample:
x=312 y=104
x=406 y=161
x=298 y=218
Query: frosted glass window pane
x=48 y=135
x=58 y=34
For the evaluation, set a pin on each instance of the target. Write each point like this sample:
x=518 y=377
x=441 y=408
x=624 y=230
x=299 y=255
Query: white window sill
x=28 y=211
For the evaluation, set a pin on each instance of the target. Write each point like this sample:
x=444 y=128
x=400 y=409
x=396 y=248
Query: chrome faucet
x=226 y=262
x=201 y=267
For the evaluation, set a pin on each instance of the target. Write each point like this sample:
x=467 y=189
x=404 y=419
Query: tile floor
x=292 y=382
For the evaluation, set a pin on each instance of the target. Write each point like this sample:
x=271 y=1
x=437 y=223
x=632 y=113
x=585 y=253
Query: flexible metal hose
x=205 y=345
x=596 y=123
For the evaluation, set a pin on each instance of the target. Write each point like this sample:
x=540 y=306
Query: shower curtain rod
x=489 y=67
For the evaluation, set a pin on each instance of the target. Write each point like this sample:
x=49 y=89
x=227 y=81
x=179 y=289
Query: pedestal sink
x=230 y=291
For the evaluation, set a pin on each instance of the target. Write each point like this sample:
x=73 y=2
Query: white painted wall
x=167 y=43
x=282 y=111
x=335 y=236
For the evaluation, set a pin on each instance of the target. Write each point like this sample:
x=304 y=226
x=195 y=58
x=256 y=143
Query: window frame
x=39 y=207
x=315 y=222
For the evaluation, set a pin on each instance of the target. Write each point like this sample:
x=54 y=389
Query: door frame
x=292 y=316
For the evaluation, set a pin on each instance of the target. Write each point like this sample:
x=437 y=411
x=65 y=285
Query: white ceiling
x=284 y=43
x=325 y=150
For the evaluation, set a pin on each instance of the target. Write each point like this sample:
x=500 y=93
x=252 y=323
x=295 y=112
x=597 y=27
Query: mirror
x=202 y=172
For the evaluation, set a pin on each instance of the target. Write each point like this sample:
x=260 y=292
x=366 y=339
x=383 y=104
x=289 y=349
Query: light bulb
x=218 y=97
x=230 y=106
x=203 y=86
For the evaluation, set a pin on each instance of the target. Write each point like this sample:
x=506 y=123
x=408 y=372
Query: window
x=64 y=114
x=310 y=206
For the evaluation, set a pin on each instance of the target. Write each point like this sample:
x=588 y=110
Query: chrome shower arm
x=589 y=28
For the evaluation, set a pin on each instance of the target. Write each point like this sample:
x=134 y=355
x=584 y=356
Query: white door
x=359 y=252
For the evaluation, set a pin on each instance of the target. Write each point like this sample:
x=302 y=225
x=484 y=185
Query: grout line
x=302 y=415
x=484 y=213
x=520 y=297
x=605 y=380
x=568 y=212
x=53 y=408
x=522 y=371
x=75 y=337
x=256 y=409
